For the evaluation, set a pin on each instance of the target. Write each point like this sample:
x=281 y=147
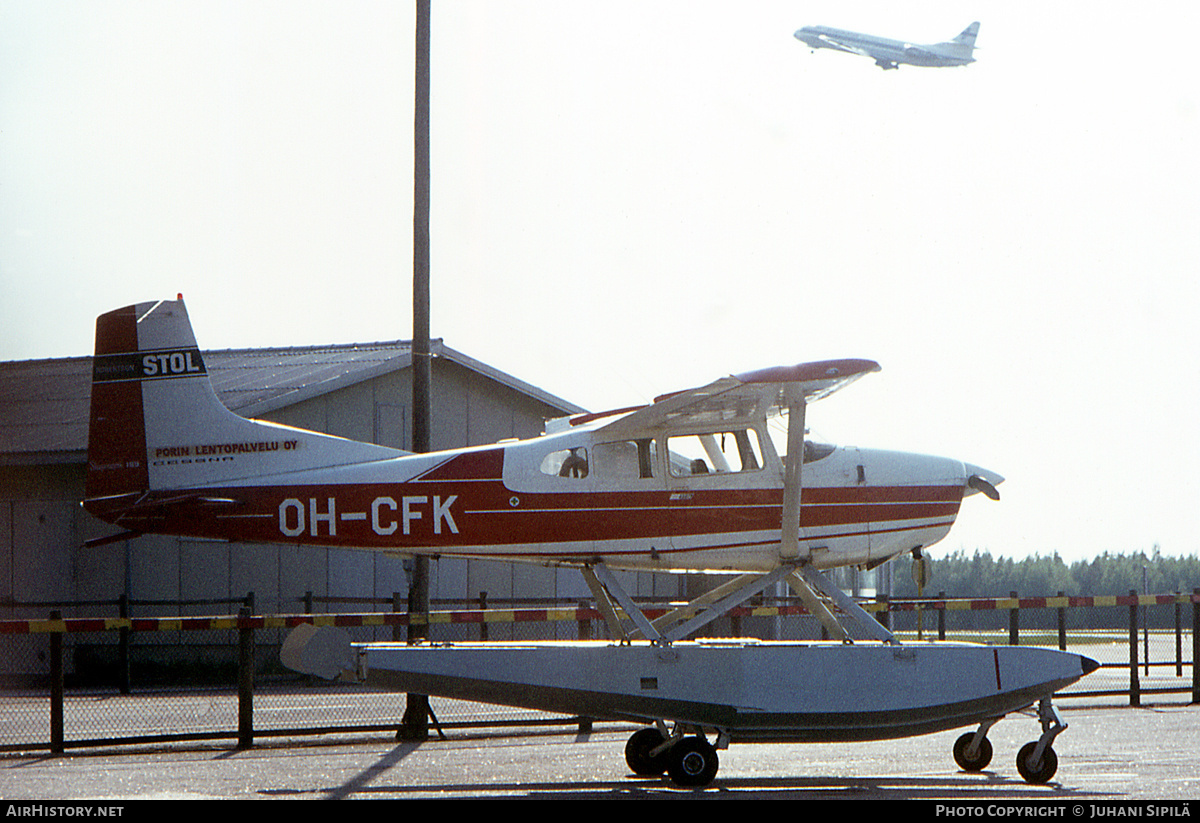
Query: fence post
x=1178 y=634
x=1062 y=626
x=414 y=723
x=399 y=635
x=585 y=633
x=942 y=616
x=1195 y=645
x=245 y=681
x=56 y=687
x=885 y=615
x=1135 y=687
x=1013 y=638
x=483 y=626
x=585 y=626
x=123 y=646
x=1145 y=635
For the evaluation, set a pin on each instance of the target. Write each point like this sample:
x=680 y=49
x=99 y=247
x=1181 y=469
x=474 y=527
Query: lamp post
x=414 y=725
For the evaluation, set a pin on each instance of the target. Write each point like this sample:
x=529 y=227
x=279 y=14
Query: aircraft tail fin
x=964 y=44
x=156 y=422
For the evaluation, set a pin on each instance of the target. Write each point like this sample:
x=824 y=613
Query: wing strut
x=722 y=606
x=711 y=596
x=604 y=583
x=818 y=609
x=819 y=582
x=789 y=547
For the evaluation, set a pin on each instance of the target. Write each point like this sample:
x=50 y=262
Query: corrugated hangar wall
x=43 y=527
x=469 y=409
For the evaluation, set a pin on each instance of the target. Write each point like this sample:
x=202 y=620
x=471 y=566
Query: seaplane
x=692 y=481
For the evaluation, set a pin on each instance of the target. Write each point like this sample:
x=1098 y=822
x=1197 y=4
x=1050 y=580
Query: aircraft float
x=691 y=481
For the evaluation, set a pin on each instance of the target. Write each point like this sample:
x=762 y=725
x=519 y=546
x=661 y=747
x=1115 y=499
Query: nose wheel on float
x=1036 y=761
x=692 y=762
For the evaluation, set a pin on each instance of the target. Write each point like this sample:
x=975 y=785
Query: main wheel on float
x=692 y=762
x=637 y=752
x=972 y=764
x=1040 y=772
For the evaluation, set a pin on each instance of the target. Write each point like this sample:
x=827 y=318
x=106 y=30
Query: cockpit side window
x=719 y=452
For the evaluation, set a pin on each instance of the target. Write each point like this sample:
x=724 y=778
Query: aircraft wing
x=739 y=396
x=845 y=45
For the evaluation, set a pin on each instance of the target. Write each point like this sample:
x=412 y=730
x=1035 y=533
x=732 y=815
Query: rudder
x=116 y=429
x=967 y=37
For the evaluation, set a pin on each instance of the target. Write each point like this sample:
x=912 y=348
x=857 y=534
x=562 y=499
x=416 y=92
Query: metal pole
x=123 y=646
x=1145 y=626
x=57 y=688
x=1062 y=626
x=399 y=604
x=421 y=187
x=245 y=680
x=415 y=722
x=1195 y=646
x=1013 y=628
x=1135 y=686
x=942 y=616
x=1178 y=635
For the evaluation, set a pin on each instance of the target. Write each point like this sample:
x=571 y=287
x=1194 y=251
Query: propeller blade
x=981 y=484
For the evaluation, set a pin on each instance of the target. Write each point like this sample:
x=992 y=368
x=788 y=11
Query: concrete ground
x=1108 y=753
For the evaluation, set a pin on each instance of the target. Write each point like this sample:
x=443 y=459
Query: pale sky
x=631 y=198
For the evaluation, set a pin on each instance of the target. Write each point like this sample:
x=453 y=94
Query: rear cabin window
x=568 y=463
x=628 y=459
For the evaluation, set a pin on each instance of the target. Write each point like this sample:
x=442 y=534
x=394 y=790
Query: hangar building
x=360 y=391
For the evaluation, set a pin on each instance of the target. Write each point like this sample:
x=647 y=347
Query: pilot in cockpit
x=574 y=465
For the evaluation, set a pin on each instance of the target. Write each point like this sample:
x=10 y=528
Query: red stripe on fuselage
x=445 y=514
x=473 y=466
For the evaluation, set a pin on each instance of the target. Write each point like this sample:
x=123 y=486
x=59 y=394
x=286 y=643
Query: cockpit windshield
x=814 y=451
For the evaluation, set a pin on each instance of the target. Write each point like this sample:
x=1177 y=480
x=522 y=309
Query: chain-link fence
x=74 y=681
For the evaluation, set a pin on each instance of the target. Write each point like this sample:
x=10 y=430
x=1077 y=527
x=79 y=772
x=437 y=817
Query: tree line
x=960 y=574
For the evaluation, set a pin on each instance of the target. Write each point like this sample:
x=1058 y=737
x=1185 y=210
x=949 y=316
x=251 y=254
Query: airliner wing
x=739 y=397
x=843 y=45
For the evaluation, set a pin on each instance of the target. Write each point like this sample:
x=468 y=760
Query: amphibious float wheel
x=972 y=764
x=1043 y=771
x=637 y=752
x=692 y=762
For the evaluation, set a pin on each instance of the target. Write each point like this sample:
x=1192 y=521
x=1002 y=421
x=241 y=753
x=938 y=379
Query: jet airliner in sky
x=889 y=54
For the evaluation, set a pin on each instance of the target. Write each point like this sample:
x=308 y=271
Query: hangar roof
x=44 y=403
